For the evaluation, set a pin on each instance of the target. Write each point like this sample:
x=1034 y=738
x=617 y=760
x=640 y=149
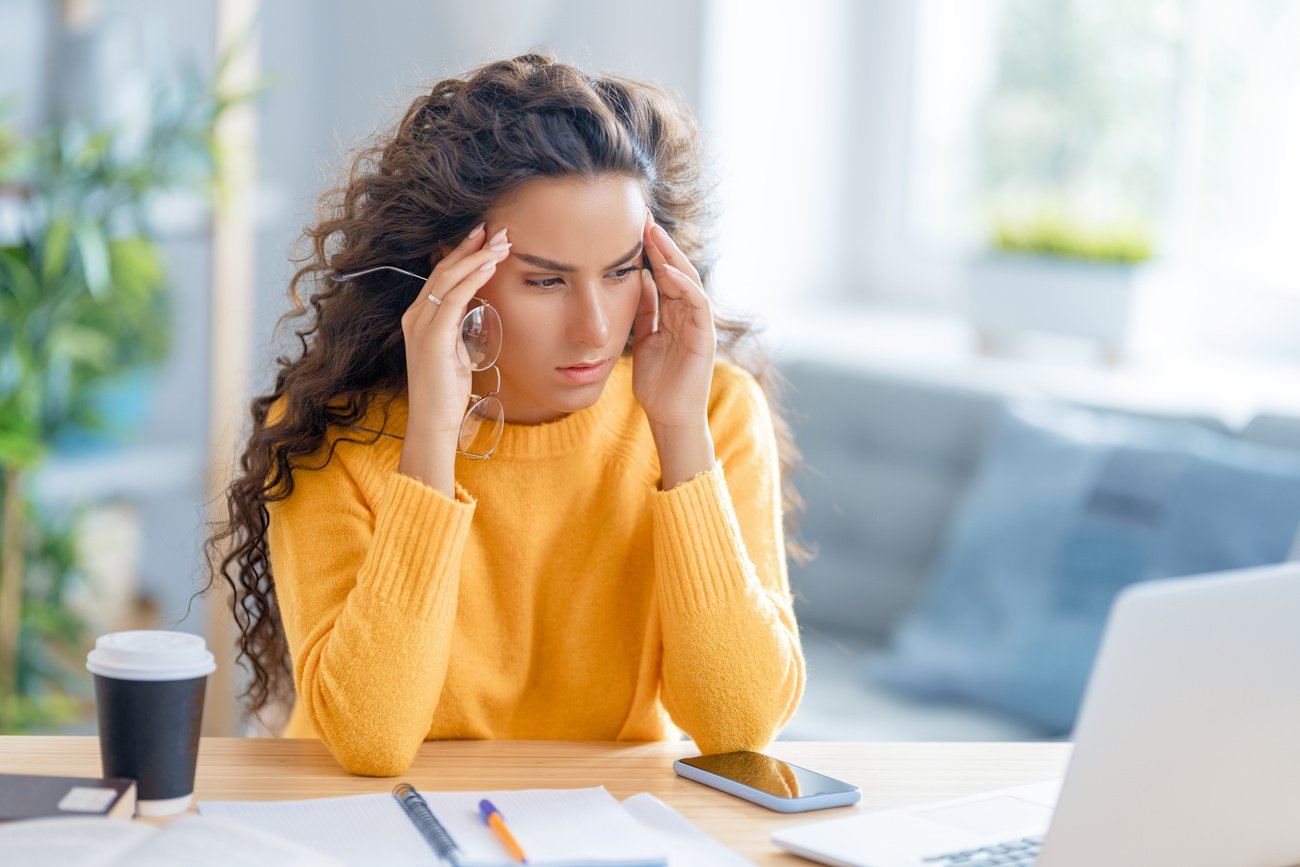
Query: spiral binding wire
x=417 y=809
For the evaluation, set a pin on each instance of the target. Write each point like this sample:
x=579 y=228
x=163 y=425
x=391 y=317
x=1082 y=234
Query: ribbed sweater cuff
x=700 y=557
x=419 y=538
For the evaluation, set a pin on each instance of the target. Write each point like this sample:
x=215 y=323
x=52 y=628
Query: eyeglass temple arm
x=340 y=278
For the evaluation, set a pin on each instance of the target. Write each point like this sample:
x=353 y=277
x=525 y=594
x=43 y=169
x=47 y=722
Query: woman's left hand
x=672 y=365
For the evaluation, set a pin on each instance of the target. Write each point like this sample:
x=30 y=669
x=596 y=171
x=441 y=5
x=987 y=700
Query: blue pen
x=492 y=816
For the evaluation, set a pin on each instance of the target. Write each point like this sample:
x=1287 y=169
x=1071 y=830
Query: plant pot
x=1009 y=296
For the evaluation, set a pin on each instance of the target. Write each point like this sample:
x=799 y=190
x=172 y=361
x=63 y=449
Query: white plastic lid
x=150 y=654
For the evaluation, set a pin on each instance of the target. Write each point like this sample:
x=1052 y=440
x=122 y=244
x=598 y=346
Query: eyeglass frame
x=474 y=399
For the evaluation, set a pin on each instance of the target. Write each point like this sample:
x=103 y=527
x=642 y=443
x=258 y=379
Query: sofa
x=889 y=453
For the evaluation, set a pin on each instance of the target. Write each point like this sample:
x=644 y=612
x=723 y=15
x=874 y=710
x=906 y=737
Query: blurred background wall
x=938 y=210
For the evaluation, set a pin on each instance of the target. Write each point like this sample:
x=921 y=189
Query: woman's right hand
x=438 y=385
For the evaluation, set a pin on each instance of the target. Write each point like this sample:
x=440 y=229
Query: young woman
x=615 y=568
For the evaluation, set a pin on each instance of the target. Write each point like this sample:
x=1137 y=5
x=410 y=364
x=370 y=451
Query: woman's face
x=567 y=293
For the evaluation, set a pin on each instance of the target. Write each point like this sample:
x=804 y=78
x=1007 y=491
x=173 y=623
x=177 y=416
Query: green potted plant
x=83 y=305
x=1048 y=271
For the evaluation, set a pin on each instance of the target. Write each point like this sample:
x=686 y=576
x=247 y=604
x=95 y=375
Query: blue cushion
x=1067 y=507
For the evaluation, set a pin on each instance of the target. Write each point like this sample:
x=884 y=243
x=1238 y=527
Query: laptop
x=1187 y=750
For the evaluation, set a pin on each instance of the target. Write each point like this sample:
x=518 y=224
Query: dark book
x=23 y=796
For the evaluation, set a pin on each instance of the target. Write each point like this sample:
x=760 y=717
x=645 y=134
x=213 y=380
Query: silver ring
x=435 y=299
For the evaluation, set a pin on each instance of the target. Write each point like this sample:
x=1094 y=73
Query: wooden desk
x=890 y=775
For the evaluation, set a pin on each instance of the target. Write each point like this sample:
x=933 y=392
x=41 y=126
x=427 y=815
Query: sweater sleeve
x=733 y=669
x=367 y=594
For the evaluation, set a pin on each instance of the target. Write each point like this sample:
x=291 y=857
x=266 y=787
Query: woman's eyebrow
x=548 y=265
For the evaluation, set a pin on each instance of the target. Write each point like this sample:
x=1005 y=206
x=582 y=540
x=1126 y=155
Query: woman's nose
x=587 y=320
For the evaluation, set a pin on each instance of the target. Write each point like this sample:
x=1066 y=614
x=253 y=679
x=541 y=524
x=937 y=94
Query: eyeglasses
x=478 y=349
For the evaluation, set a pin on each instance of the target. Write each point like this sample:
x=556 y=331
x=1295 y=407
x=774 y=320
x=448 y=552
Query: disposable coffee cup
x=149 y=687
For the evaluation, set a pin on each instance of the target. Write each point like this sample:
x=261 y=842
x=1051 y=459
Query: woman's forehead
x=573 y=220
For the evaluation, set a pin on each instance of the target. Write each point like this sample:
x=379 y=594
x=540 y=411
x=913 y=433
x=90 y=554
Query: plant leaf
x=76 y=342
x=94 y=258
x=54 y=255
x=19 y=280
x=19 y=448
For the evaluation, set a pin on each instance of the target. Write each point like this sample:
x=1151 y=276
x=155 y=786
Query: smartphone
x=768 y=782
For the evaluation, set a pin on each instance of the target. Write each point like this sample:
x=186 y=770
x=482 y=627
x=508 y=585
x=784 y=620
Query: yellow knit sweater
x=560 y=595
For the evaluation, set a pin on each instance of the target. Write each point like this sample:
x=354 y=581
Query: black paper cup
x=149 y=687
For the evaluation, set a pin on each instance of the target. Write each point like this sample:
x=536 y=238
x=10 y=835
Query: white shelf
x=944 y=350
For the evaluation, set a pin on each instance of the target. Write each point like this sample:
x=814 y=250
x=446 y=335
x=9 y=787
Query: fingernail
x=476 y=231
x=488 y=266
x=660 y=233
x=497 y=238
x=668 y=267
x=500 y=248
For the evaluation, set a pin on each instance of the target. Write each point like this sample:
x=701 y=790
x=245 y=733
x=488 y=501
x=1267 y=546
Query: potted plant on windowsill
x=1054 y=274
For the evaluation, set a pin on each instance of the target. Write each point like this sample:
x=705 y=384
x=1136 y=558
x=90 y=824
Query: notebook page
x=205 y=841
x=569 y=826
x=580 y=827
x=686 y=844
x=358 y=830
x=62 y=841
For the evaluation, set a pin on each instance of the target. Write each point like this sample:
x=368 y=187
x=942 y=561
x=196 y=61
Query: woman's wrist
x=430 y=458
x=684 y=453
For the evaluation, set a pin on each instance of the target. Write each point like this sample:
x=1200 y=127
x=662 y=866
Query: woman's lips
x=584 y=375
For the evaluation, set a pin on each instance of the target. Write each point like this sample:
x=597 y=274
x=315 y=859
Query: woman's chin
x=575 y=399
x=557 y=404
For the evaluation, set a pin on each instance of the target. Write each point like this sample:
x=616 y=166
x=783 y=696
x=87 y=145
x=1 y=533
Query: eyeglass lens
x=482 y=427
x=480 y=333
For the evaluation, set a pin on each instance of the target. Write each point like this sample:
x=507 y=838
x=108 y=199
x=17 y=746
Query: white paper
x=68 y=842
x=360 y=830
x=189 y=841
x=685 y=843
x=578 y=827
x=194 y=841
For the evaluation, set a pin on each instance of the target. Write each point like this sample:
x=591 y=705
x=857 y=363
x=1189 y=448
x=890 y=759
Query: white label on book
x=84 y=799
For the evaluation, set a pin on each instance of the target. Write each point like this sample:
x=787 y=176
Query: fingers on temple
x=647 y=308
x=457 y=299
x=454 y=268
x=680 y=287
x=461 y=273
x=662 y=245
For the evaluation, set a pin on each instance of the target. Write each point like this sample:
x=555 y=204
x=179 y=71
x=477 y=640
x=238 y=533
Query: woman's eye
x=551 y=282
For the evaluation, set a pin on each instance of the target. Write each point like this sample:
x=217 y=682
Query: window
x=1180 y=115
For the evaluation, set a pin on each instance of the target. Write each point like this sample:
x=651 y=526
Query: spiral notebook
x=579 y=827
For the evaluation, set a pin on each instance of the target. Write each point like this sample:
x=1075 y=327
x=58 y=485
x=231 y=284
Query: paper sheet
x=685 y=843
x=554 y=826
x=189 y=841
x=62 y=841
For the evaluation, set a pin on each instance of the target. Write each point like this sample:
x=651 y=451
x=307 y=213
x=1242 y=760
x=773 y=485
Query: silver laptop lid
x=1188 y=744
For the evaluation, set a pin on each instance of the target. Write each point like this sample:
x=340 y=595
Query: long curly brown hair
x=455 y=152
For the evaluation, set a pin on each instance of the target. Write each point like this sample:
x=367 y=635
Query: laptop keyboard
x=1013 y=853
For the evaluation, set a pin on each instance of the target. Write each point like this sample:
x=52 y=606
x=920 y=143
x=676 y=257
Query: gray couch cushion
x=885 y=462
x=840 y=704
x=887 y=457
x=1274 y=430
